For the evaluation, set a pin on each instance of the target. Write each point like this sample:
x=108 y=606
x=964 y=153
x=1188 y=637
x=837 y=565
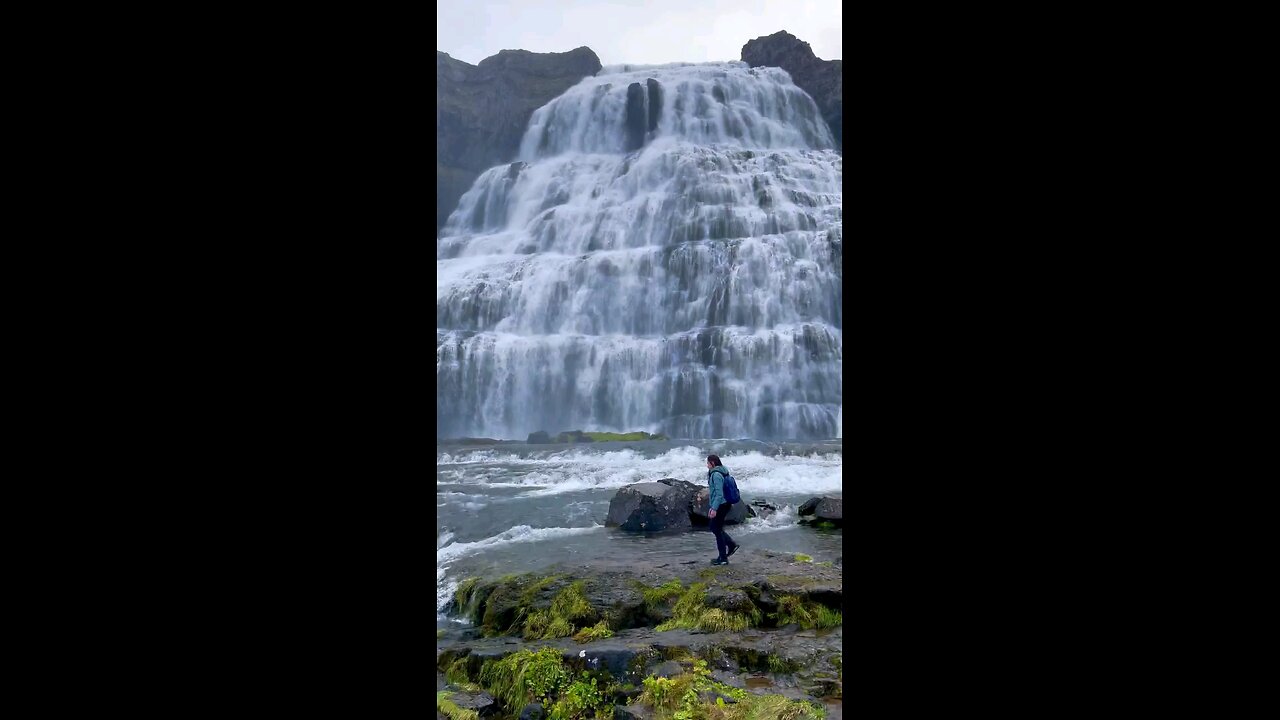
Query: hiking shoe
x=719 y=561
x=733 y=549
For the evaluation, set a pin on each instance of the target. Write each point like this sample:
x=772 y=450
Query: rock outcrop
x=822 y=79
x=652 y=506
x=482 y=111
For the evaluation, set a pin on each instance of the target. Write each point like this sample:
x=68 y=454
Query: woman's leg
x=722 y=513
x=717 y=529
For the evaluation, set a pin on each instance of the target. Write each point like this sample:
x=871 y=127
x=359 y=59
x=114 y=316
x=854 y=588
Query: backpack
x=731 y=494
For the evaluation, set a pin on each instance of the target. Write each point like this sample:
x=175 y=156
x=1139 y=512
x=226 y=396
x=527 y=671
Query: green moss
x=780 y=665
x=447 y=707
x=807 y=614
x=439 y=633
x=558 y=628
x=826 y=525
x=827 y=563
x=612 y=436
x=762 y=707
x=678 y=698
x=465 y=589
x=526 y=676
x=456 y=673
x=535 y=625
x=571 y=604
x=691 y=612
x=598 y=631
x=801 y=557
x=655 y=597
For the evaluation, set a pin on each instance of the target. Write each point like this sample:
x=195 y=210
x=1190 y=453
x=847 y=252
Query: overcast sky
x=633 y=31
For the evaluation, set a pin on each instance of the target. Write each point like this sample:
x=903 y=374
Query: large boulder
x=698 y=511
x=830 y=509
x=822 y=79
x=822 y=509
x=652 y=506
x=482 y=111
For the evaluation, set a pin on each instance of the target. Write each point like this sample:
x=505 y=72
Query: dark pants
x=723 y=541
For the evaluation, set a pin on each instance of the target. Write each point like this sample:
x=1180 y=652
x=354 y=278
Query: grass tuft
x=691 y=612
x=801 y=557
x=807 y=614
x=450 y=710
x=526 y=676
x=595 y=632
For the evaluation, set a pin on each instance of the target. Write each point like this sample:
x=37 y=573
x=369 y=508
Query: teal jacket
x=715 y=482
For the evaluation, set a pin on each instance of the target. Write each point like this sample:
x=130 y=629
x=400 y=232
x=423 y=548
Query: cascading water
x=665 y=256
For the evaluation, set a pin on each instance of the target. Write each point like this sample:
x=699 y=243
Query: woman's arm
x=717 y=489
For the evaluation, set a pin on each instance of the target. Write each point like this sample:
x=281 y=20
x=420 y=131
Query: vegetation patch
x=450 y=710
x=801 y=557
x=691 y=612
x=679 y=698
x=655 y=597
x=631 y=436
x=583 y=699
x=558 y=620
x=464 y=592
x=596 y=632
x=507 y=603
x=827 y=563
x=526 y=676
x=805 y=613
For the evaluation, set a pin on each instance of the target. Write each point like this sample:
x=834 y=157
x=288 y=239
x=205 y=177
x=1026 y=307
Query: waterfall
x=665 y=255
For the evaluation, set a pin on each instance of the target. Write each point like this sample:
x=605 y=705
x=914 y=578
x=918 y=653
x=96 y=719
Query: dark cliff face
x=822 y=79
x=482 y=111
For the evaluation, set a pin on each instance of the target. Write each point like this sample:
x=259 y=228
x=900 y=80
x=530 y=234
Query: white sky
x=633 y=31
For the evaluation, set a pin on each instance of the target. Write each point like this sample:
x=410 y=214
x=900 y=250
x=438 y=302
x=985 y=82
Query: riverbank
x=648 y=640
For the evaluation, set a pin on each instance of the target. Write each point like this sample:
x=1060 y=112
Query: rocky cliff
x=822 y=79
x=482 y=111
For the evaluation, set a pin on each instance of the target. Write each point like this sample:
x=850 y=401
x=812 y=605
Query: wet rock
x=532 y=711
x=482 y=702
x=574 y=436
x=652 y=506
x=807 y=508
x=668 y=669
x=539 y=438
x=730 y=600
x=732 y=679
x=635 y=117
x=655 y=103
x=711 y=696
x=830 y=509
x=698 y=508
x=632 y=712
x=762 y=508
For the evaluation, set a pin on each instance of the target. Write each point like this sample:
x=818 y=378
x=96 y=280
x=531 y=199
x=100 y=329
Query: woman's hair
x=714 y=460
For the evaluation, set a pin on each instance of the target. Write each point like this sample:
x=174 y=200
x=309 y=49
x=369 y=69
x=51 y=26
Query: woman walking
x=719 y=510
